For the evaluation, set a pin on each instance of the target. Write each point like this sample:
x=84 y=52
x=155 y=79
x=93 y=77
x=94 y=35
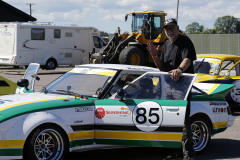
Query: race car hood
x=218 y=91
x=205 y=77
x=19 y=104
x=18 y=99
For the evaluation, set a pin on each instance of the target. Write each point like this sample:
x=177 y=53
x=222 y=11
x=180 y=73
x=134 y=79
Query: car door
x=147 y=113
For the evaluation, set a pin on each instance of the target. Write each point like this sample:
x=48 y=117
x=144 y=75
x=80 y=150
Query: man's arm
x=154 y=53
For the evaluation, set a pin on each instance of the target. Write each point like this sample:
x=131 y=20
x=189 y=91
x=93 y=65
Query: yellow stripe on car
x=81 y=135
x=18 y=104
x=219 y=125
x=139 y=136
x=12 y=144
x=212 y=89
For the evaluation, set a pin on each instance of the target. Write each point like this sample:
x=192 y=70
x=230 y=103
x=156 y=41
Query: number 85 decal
x=147 y=116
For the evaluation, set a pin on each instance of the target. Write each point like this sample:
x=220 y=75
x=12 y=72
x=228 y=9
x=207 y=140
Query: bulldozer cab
x=131 y=48
x=148 y=22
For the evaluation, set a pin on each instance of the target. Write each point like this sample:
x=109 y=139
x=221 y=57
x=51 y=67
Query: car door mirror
x=23 y=83
x=23 y=86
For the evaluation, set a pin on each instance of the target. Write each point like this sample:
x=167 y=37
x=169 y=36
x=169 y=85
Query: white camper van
x=47 y=44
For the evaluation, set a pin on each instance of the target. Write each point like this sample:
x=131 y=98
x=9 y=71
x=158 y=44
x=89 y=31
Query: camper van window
x=57 y=33
x=38 y=34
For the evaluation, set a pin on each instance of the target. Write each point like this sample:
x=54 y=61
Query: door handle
x=173 y=109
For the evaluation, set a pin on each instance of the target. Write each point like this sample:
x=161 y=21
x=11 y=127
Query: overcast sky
x=107 y=15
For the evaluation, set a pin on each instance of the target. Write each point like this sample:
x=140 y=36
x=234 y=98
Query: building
x=9 y=13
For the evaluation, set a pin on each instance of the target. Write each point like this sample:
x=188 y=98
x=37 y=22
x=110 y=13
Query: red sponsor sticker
x=100 y=113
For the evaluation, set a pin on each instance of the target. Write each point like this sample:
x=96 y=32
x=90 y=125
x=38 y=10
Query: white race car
x=95 y=106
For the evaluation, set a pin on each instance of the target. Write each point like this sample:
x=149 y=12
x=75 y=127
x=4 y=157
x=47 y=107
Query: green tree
x=194 y=28
x=226 y=24
x=209 y=31
x=238 y=27
x=104 y=34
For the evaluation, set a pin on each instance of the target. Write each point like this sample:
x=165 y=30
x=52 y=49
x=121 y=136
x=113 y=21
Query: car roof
x=120 y=67
x=220 y=56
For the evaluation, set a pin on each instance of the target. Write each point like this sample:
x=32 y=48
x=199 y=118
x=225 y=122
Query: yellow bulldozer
x=131 y=48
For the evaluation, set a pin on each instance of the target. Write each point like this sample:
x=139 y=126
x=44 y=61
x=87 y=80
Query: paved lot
x=223 y=146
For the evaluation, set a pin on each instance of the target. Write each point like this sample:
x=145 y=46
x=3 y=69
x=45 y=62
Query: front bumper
x=231 y=120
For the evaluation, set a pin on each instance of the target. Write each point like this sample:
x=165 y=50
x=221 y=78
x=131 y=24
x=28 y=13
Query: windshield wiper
x=199 y=65
x=44 y=90
x=69 y=92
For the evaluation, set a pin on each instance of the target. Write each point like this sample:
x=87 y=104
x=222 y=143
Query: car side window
x=226 y=66
x=237 y=69
x=159 y=86
x=122 y=81
x=145 y=88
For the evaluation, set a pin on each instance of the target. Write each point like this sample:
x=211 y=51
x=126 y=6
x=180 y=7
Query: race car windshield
x=209 y=66
x=81 y=81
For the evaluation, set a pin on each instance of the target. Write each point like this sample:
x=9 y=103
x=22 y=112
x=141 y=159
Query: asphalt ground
x=223 y=146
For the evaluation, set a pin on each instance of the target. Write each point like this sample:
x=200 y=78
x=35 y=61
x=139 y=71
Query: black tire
x=201 y=131
x=46 y=142
x=133 y=56
x=51 y=64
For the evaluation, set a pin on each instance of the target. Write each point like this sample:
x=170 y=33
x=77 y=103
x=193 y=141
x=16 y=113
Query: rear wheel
x=51 y=64
x=46 y=142
x=201 y=131
x=133 y=56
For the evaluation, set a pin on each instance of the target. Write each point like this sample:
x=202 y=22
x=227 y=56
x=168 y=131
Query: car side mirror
x=120 y=94
x=23 y=83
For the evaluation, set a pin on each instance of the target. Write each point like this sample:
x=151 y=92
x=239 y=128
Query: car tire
x=201 y=131
x=46 y=142
x=132 y=56
x=51 y=64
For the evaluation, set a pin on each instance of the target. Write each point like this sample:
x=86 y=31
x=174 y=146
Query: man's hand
x=176 y=73
x=152 y=49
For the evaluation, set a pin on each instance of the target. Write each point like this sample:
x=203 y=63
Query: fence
x=216 y=43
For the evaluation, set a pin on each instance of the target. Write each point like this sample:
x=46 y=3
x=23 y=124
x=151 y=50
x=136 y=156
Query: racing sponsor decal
x=219 y=110
x=235 y=92
x=123 y=112
x=148 y=116
x=218 y=103
x=218 y=107
x=83 y=109
x=100 y=113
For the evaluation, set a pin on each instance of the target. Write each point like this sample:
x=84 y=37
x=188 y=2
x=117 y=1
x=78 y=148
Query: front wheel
x=133 y=56
x=46 y=142
x=201 y=131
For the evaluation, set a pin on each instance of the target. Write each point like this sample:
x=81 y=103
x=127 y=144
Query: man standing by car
x=178 y=54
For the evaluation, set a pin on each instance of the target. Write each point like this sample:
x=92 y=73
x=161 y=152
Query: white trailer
x=47 y=44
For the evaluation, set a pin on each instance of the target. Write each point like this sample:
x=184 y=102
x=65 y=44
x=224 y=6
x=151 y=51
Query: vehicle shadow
x=135 y=153
x=218 y=149
x=221 y=149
